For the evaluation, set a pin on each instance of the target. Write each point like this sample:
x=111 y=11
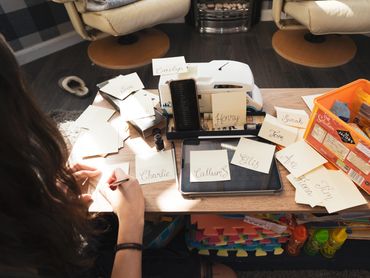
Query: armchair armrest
x=284 y=23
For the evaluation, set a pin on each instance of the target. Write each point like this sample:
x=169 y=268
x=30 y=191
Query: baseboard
x=266 y=15
x=45 y=48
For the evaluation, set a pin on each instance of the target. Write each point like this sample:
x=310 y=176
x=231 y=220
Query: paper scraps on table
x=123 y=85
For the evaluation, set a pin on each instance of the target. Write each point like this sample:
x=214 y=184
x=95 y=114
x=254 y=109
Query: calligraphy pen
x=113 y=185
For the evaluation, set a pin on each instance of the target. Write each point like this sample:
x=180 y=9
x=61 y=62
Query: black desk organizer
x=254 y=122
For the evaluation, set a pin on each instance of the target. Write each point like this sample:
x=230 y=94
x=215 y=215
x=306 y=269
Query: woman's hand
x=83 y=172
x=127 y=201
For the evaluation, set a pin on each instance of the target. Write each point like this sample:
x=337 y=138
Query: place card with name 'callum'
x=208 y=166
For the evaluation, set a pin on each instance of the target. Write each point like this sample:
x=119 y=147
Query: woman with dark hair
x=43 y=215
x=45 y=229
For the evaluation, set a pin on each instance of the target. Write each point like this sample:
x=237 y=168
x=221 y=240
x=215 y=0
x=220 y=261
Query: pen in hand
x=113 y=185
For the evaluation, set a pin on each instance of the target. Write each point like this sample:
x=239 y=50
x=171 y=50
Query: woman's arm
x=127 y=201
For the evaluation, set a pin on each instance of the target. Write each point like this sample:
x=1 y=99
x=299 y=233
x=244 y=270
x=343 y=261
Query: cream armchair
x=303 y=23
x=120 y=36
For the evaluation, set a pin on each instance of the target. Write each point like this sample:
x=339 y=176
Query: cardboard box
x=336 y=140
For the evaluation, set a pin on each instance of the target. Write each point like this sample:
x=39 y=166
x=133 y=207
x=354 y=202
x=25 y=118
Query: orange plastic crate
x=337 y=141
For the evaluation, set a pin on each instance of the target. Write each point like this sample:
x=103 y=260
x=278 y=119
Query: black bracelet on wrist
x=129 y=245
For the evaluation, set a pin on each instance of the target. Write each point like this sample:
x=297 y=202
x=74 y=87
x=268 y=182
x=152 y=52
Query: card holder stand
x=254 y=122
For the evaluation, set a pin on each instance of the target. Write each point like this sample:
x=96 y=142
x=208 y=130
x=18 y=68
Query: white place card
x=136 y=106
x=155 y=167
x=276 y=132
x=254 y=155
x=123 y=85
x=229 y=109
x=300 y=158
x=101 y=140
x=292 y=117
x=208 y=166
x=166 y=66
x=94 y=116
x=341 y=193
x=309 y=100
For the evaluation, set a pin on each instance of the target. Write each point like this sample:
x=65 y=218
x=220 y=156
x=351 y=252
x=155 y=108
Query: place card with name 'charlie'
x=155 y=167
x=276 y=132
x=171 y=65
x=292 y=117
x=229 y=109
x=208 y=166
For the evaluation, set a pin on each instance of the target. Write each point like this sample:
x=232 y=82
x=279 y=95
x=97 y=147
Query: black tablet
x=243 y=181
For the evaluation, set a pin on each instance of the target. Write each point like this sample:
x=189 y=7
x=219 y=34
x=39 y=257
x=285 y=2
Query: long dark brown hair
x=43 y=223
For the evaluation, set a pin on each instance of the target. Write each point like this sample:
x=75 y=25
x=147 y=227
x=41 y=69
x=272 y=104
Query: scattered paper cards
x=155 y=167
x=93 y=116
x=254 y=155
x=123 y=85
x=292 y=117
x=206 y=166
x=136 y=106
x=332 y=189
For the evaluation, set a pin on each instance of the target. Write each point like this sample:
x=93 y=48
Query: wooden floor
x=253 y=48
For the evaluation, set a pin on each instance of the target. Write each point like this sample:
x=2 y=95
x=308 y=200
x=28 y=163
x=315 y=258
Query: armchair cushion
x=136 y=16
x=331 y=16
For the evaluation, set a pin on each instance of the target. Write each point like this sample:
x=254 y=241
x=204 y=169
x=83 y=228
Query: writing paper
x=254 y=155
x=209 y=166
x=100 y=202
x=123 y=85
x=306 y=184
x=292 y=117
x=341 y=193
x=155 y=167
x=229 y=109
x=300 y=158
x=277 y=132
x=101 y=140
x=172 y=65
x=309 y=100
x=136 y=106
x=93 y=116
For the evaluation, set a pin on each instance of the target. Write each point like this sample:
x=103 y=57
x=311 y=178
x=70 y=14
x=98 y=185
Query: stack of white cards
x=100 y=136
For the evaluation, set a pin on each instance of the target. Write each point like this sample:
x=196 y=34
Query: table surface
x=164 y=197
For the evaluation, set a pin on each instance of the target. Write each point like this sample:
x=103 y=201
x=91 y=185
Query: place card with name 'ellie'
x=229 y=109
x=254 y=155
x=276 y=132
x=155 y=167
x=209 y=166
x=292 y=117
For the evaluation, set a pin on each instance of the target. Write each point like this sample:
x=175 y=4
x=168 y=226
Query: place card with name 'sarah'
x=276 y=132
x=210 y=165
x=292 y=117
x=155 y=167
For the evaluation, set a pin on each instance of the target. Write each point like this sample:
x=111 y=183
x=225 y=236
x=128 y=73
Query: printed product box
x=339 y=142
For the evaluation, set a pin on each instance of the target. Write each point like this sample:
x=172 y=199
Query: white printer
x=217 y=76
